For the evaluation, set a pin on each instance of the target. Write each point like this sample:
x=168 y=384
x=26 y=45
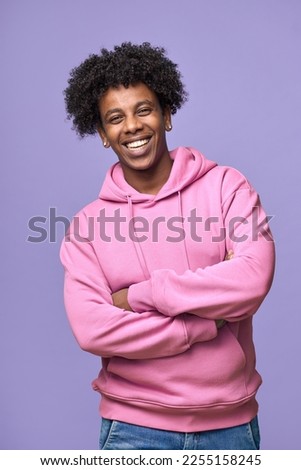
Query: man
x=165 y=270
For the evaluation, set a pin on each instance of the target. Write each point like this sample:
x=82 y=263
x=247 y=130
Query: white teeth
x=137 y=143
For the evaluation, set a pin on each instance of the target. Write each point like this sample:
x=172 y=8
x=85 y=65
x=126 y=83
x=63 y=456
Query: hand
x=120 y=299
x=220 y=323
x=229 y=255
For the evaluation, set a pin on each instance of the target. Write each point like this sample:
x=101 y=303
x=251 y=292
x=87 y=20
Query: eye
x=144 y=111
x=115 y=119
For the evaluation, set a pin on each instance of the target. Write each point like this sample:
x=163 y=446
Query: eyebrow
x=119 y=110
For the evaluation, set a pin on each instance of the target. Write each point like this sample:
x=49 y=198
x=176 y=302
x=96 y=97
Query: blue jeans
x=116 y=435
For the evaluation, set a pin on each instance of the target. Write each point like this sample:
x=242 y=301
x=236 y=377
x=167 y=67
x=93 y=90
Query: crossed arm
x=103 y=329
x=166 y=314
x=120 y=298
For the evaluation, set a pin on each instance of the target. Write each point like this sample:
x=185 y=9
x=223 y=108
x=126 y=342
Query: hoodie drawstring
x=180 y=210
x=137 y=246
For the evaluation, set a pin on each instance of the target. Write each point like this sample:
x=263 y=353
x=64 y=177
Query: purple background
x=241 y=63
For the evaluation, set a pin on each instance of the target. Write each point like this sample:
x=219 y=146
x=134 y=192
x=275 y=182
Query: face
x=134 y=125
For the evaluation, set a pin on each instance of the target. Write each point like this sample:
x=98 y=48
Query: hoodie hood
x=189 y=165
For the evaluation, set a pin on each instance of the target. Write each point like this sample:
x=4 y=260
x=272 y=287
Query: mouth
x=137 y=144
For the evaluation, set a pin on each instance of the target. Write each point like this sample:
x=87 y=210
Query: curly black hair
x=127 y=64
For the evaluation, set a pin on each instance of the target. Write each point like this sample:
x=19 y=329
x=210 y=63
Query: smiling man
x=170 y=317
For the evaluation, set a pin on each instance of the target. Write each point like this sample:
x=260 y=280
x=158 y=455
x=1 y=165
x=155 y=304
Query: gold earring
x=168 y=127
x=105 y=144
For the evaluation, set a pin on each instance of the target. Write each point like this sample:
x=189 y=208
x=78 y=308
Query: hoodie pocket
x=210 y=373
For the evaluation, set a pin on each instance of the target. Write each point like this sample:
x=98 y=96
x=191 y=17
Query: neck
x=151 y=180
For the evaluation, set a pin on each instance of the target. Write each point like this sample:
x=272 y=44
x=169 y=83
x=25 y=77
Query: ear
x=167 y=118
x=103 y=137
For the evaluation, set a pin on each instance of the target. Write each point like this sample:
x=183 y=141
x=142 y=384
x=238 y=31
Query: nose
x=132 y=124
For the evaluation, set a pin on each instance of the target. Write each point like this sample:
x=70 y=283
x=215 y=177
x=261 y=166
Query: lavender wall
x=241 y=62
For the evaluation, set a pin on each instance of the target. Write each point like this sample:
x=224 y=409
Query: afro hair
x=126 y=65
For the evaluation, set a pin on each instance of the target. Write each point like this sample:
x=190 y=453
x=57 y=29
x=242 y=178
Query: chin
x=142 y=165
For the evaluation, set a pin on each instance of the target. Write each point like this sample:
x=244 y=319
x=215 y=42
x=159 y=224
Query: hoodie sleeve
x=231 y=290
x=105 y=330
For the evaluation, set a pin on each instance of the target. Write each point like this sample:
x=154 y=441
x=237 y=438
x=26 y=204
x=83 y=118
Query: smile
x=137 y=144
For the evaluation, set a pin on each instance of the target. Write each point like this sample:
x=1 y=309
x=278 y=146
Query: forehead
x=121 y=97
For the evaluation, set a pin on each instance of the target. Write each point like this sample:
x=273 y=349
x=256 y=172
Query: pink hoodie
x=166 y=365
